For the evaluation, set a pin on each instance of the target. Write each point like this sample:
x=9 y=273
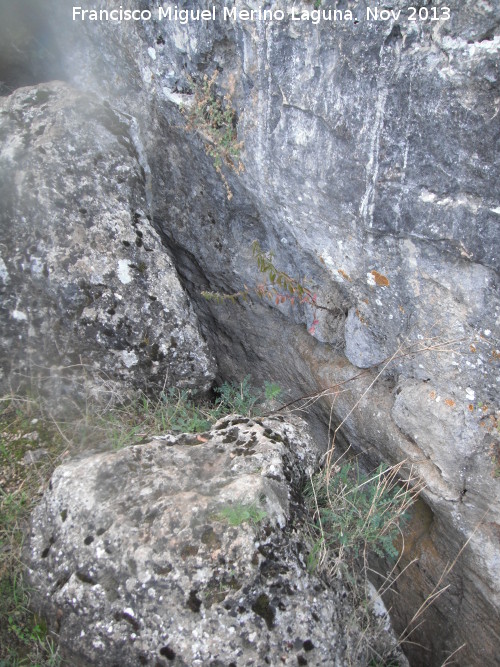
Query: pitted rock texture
x=371 y=164
x=133 y=563
x=84 y=279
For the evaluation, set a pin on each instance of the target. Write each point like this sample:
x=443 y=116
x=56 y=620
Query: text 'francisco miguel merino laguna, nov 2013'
x=315 y=16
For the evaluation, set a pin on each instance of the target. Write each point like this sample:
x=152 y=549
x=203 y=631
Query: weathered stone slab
x=133 y=563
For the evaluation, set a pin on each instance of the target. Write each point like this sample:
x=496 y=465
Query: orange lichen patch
x=450 y=403
x=401 y=309
x=380 y=280
x=360 y=317
x=472 y=348
x=344 y=275
x=432 y=395
x=471 y=407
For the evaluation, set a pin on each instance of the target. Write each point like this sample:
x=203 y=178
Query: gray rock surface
x=371 y=167
x=84 y=279
x=134 y=564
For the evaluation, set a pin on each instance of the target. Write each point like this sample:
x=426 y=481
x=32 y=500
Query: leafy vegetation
x=355 y=514
x=278 y=287
x=215 y=119
x=176 y=411
x=272 y=391
x=241 y=399
x=240 y=513
x=354 y=517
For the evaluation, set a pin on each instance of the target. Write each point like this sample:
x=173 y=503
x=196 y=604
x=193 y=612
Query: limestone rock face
x=133 y=562
x=371 y=167
x=84 y=279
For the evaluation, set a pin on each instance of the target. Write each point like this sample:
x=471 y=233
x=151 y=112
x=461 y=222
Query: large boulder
x=86 y=285
x=189 y=551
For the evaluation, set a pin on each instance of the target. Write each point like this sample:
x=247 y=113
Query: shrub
x=355 y=514
x=241 y=398
x=214 y=118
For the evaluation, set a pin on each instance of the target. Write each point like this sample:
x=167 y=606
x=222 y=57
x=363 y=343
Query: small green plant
x=119 y=433
x=176 y=411
x=278 y=287
x=26 y=633
x=243 y=398
x=381 y=662
x=272 y=391
x=137 y=420
x=215 y=119
x=356 y=514
x=240 y=513
x=239 y=398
